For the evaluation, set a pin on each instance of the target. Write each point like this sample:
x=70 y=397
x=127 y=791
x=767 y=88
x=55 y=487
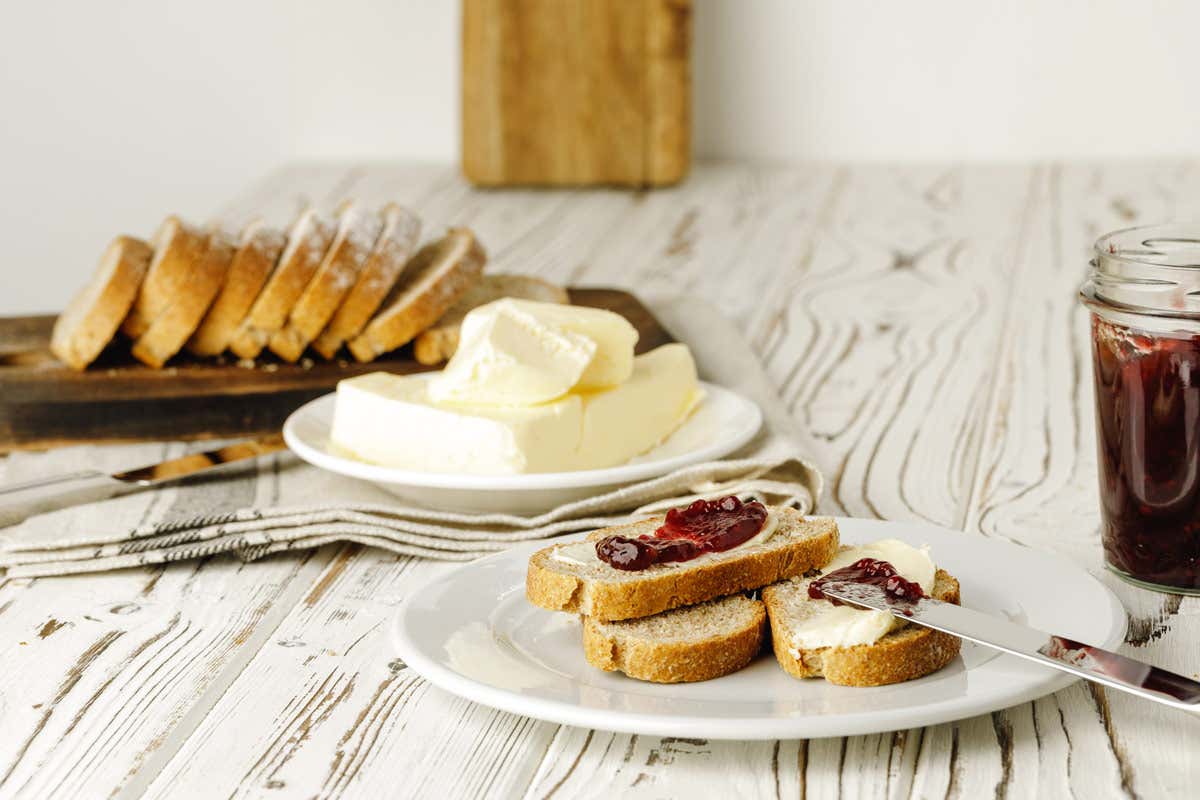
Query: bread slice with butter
x=857 y=647
x=695 y=643
x=575 y=580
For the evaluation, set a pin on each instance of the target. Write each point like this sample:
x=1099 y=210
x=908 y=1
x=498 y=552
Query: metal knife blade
x=1086 y=661
x=47 y=494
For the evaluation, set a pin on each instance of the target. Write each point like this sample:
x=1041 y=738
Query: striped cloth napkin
x=280 y=503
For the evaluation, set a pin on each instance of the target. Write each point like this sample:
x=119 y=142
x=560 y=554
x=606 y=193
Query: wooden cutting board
x=576 y=92
x=45 y=404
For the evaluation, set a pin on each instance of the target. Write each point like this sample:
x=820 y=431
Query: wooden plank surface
x=920 y=323
x=574 y=92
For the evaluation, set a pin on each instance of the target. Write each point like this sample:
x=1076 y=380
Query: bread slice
x=258 y=250
x=438 y=343
x=441 y=272
x=177 y=248
x=357 y=231
x=95 y=313
x=167 y=333
x=308 y=240
x=385 y=266
x=694 y=643
x=799 y=545
x=904 y=654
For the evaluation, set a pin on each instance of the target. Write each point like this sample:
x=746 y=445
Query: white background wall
x=115 y=113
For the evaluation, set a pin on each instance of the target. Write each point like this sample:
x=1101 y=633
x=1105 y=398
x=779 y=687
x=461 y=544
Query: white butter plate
x=472 y=633
x=723 y=422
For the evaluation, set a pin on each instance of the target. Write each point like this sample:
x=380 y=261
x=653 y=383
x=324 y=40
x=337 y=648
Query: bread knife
x=59 y=491
x=1083 y=660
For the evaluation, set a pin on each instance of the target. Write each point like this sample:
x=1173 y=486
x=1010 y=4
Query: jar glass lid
x=1153 y=269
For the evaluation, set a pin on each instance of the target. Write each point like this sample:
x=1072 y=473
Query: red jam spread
x=870 y=571
x=706 y=526
x=1148 y=436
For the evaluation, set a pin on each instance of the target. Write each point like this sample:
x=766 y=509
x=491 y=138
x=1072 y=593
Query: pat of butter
x=393 y=420
x=584 y=553
x=521 y=352
x=623 y=422
x=827 y=625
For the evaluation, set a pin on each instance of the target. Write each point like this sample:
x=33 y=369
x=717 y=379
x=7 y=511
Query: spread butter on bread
x=798 y=545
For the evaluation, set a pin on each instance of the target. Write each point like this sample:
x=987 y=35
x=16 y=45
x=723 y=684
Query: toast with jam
x=569 y=578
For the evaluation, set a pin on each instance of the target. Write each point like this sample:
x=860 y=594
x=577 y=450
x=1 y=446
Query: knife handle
x=46 y=494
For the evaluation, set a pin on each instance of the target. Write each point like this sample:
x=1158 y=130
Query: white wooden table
x=921 y=324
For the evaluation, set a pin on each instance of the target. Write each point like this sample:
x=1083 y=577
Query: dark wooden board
x=44 y=404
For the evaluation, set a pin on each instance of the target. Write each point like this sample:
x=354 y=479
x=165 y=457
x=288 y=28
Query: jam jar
x=1143 y=292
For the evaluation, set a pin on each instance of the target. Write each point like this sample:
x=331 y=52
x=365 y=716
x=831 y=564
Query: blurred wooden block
x=576 y=92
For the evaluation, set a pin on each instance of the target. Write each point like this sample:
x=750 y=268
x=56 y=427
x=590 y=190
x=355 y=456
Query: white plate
x=723 y=422
x=472 y=633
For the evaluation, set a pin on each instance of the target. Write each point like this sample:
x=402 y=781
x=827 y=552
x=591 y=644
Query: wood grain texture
x=575 y=92
x=920 y=323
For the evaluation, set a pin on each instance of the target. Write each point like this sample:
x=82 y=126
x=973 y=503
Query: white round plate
x=472 y=633
x=723 y=422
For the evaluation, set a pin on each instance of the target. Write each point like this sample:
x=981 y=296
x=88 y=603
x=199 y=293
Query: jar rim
x=1149 y=269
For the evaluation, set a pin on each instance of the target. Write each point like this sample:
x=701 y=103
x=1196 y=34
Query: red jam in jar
x=1148 y=440
x=706 y=526
x=1144 y=295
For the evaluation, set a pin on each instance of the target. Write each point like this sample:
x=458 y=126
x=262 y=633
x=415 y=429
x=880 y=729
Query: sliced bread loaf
x=596 y=589
x=169 y=331
x=358 y=228
x=385 y=266
x=92 y=317
x=438 y=343
x=258 y=250
x=694 y=643
x=904 y=654
x=177 y=248
x=308 y=240
x=440 y=273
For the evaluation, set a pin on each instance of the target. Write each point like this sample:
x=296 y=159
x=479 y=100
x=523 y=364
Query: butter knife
x=1084 y=660
x=59 y=491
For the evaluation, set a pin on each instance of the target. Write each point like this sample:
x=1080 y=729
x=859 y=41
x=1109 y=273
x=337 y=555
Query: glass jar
x=1144 y=296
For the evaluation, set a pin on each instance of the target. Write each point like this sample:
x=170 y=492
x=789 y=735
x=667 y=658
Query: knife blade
x=87 y=486
x=1060 y=652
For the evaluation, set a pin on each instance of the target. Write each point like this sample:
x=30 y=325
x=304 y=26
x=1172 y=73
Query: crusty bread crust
x=357 y=231
x=560 y=587
x=168 y=332
x=308 y=240
x=442 y=271
x=93 y=316
x=438 y=343
x=903 y=655
x=613 y=646
x=177 y=248
x=385 y=266
x=257 y=252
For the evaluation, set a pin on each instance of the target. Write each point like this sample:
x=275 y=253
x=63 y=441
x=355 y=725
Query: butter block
x=628 y=420
x=509 y=355
x=521 y=352
x=391 y=420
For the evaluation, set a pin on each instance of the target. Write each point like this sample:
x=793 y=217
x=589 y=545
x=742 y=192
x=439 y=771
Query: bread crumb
x=246 y=363
x=306 y=363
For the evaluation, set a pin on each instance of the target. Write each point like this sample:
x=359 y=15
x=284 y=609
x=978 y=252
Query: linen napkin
x=281 y=504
